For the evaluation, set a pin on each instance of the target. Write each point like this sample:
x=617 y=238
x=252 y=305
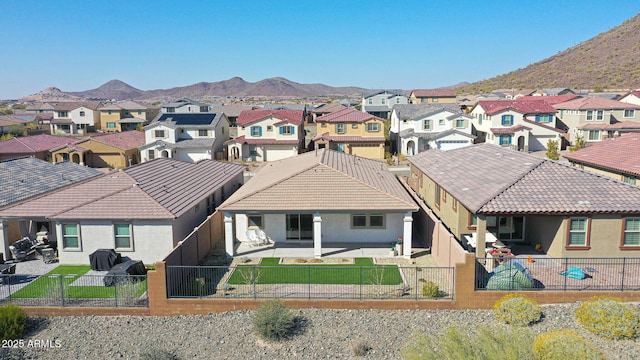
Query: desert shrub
x=609 y=317
x=564 y=344
x=12 y=322
x=154 y=353
x=430 y=289
x=517 y=309
x=273 y=320
x=463 y=344
x=358 y=348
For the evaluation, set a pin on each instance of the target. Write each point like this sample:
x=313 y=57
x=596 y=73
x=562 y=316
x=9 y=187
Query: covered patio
x=306 y=250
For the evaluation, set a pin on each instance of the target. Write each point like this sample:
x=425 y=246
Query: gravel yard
x=321 y=334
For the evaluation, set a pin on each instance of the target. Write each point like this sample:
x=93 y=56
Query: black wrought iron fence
x=311 y=282
x=559 y=274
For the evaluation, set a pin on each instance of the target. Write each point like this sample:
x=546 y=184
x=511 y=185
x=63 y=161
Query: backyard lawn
x=363 y=271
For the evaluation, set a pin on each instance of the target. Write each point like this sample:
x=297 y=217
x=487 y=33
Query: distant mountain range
x=606 y=61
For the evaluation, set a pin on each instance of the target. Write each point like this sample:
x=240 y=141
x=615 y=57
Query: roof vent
x=584 y=202
x=465 y=189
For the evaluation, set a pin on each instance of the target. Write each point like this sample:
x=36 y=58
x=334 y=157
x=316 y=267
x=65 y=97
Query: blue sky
x=79 y=45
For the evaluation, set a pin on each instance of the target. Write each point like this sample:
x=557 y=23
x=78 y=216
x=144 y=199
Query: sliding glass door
x=299 y=227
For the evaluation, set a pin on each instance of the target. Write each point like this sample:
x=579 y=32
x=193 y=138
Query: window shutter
x=293 y=130
x=537 y=118
x=260 y=131
x=281 y=130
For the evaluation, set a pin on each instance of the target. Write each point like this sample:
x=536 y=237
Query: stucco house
x=415 y=128
x=185 y=106
x=352 y=132
x=595 y=132
x=526 y=199
x=188 y=137
x=115 y=150
x=126 y=115
x=38 y=146
x=319 y=197
x=431 y=96
x=632 y=97
x=267 y=135
x=75 y=117
x=380 y=102
x=141 y=212
x=524 y=125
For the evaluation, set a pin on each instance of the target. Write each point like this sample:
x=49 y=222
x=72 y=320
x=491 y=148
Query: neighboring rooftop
x=328 y=108
x=423 y=93
x=72 y=105
x=34 y=143
x=418 y=111
x=121 y=140
x=594 y=103
x=250 y=116
x=492 y=107
x=173 y=120
x=621 y=154
x=347 y=115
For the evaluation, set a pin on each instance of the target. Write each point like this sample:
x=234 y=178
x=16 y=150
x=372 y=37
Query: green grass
x=48 y=286
x=363 y=271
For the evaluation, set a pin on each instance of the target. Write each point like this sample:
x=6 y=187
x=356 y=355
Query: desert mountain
x=51 y=94
x=606 y=61
x=114 y=89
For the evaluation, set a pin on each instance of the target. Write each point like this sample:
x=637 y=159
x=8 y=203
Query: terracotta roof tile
x=594 y=102
x=550 y=99
x=434 y=93
x=540 y=106
x=329 y=108
x=509 y=130
x=123 y=140
x=34 y=143
x=347 y=115
x=621 y=125
x=339 y=138
x=250 y=116
x=620 y=154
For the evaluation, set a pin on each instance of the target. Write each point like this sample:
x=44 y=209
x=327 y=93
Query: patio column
x=317 y=235
x=481 y=236
x=4 y=240
x=406 y=235
x=228 y=234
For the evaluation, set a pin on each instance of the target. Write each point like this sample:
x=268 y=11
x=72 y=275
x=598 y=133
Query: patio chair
x=252 y=238
x=22 y=249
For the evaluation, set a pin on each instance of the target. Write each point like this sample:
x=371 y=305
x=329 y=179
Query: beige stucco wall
x=595 y=170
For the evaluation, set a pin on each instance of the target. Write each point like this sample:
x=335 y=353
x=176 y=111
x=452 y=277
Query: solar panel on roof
x=189 y=119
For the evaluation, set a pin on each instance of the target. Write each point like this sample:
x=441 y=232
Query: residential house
x=614 y=158
x=346 y=199
x=142 y=212
x=186 y=106
x=632 y=97
x=553 y=92
x=594 y=110
x=188 y=137
x=525 y=199
x=380 y=102
x=75 y=117
x=430 y=96
x=38 y=146
x=324 y=109
x=525 y=125
x=415 y=128
x=513 y=94
x=40 y=108
x=232 y=112
x=125 y=116
x=267 y=135
x=353 y=132
x=596 y=132
x=25 y=178
x=114 y=150
x=9 y=123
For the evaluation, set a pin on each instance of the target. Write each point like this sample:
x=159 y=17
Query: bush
x=430 y=289
x=564 y=344
x=12 y=322
x=157 y=354
x=273 y=320
x=609 y=317
x=516 y=309
x=358 y=348
x=482 y=343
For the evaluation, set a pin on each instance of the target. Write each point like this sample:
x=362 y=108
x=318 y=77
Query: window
x=127 y=113
x=256 y=131
x=111 y=125
x=545 y=118
x=203 y=133
x=370 y=101
x=71 y=237
x=340 y=129
x=434 y=99
x=594 y=135
x=139 y=112
x=62 y=114
x=287 y=130
x=354 y=125
x=373 y=127
x=441 y=122
x=254 y=222
x=426 y=124
x=578 y=232
x=211 y=204
x=384 y=101
x=324 y=125
x=589 y=115
x=109 y=112
x=269 y=128
x=460 y=123
x=122 y=234
x=204 y=108
x=437 y=196
x=507 y=120
x=599 y=115
x=631 y=235
x=171 y=109
x=252 y=150
x=151 y=154
x=158 y=133
x=505 y=140
x=367 y=221
x=82 y=113
x=629 y=179
x=479 y=119
x=473 y=221
x=629 y=113
x=397 y=100
x=424 y=100
x=454 y=204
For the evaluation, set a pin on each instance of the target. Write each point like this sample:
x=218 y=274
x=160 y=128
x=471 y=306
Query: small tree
x=552 y=150
x=579 y=144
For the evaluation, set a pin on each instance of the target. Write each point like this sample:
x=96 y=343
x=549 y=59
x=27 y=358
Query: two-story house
x=188 y=137
x=431 y=96
x=594 y=110
x=632 y=97
x=380 y=102
x=351 y=131
x=267 y=135
x=415 y=128
x=75 y=117
x=525 y=125
x=113 y=150
x=186 y=106
x=124 y=116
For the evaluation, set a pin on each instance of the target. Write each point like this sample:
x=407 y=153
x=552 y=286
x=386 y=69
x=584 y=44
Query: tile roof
x=192 y=120
x=231 y=110
x=420 y=93
x=72 y=105
x=417 y=111
x=62 y=121
x=489 y=179
x=347 y=115
x=621 y=154
x=377 y=108
x=322 y=180
x=183 y=102
x=551 y=100
x=344 y=138
x=328 y=108
x=159 y=189
x=509 y=130
x=492 y=107
x=374 y=92
x=8 y=120
x=593 y=103
x=544 y=126
x=27 y=177
x=250 y=116
x=121 y=140
x=34 y=144
x=243 y=140
x=620 y=125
